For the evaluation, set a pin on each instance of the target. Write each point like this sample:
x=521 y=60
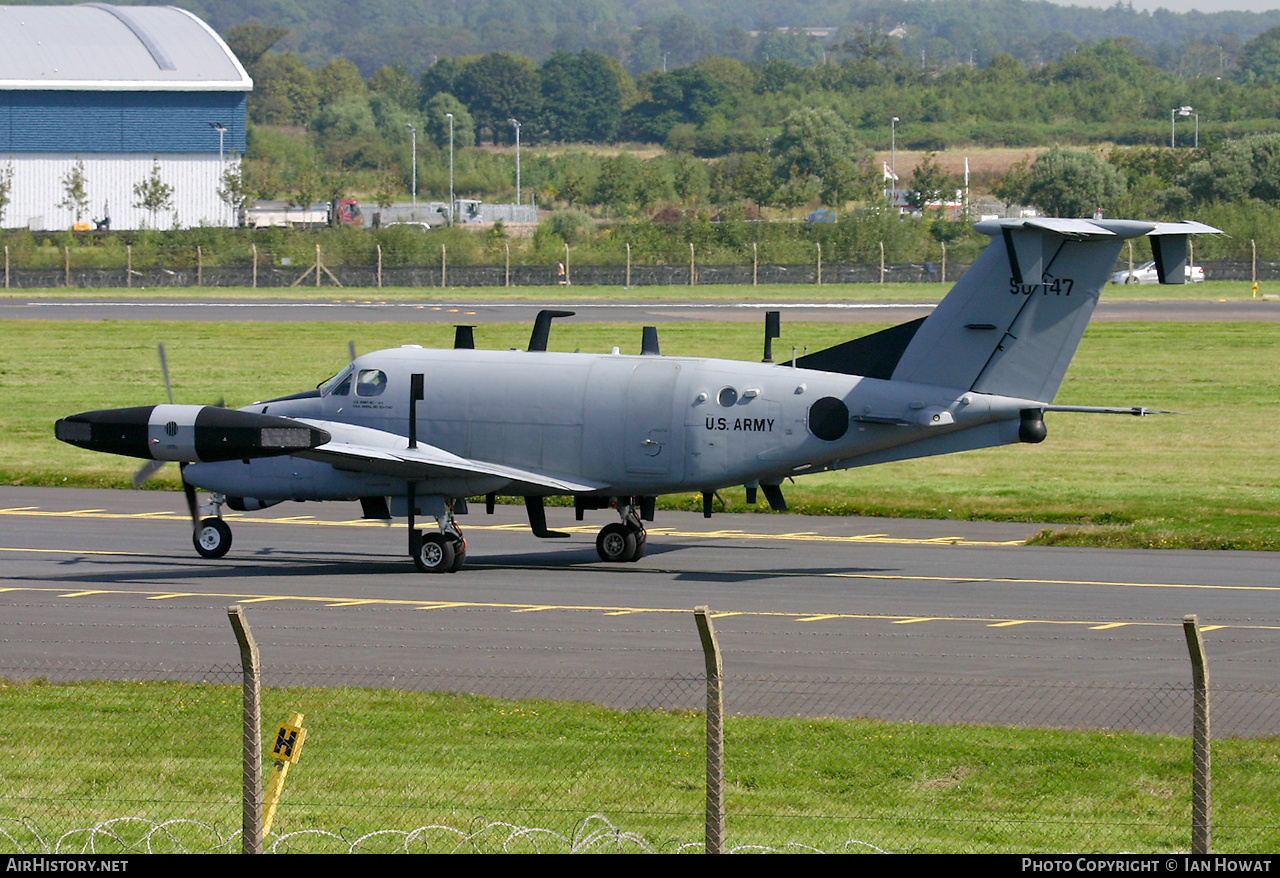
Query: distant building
x=117 y=91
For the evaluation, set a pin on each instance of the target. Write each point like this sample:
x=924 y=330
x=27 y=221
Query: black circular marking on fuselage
x=829 y=418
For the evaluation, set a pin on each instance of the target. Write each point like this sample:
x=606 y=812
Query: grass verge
x=393 y=761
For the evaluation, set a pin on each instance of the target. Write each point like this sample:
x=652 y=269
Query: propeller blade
x=164 y=367
x=351 y=348
x=148 y=469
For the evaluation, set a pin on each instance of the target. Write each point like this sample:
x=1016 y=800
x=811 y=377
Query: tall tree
x=499 y=87
x=581 y=97
x=285 y=91
x=817 y=152
x=435 y=124
x=1073 y=182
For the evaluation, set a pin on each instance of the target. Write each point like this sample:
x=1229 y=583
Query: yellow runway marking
x=336 y=602
x=799 y=536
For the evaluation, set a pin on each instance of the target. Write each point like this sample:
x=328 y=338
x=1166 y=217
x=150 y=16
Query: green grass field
x=1208 y=478
x=383 y=760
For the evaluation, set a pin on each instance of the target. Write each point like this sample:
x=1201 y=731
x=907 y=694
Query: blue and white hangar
x=101 y=106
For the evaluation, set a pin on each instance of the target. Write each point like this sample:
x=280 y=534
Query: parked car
x=1146 y=274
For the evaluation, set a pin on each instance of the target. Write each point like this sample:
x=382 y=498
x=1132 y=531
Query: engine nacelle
x=187 y=433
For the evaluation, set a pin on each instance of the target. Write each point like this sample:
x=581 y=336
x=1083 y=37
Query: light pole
x=1173 y=119
x=413 y=139
x=517 y=124
x=893 y=158
x=222 y=133
x=450 y=117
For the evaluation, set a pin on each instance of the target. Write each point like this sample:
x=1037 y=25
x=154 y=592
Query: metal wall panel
x=124 y=121
x=39 y=187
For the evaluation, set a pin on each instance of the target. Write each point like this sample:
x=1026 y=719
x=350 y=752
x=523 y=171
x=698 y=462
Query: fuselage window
x=371 y=382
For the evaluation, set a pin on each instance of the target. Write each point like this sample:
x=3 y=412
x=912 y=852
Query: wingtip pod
x=187 y=433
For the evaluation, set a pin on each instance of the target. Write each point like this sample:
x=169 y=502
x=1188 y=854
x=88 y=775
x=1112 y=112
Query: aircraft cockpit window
x=728 y=396
x=338 y=385
x=371 y=382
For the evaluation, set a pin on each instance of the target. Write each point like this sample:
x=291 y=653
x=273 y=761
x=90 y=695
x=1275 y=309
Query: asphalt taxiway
x=108 y=579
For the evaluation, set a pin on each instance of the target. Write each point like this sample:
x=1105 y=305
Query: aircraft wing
x=362 y=449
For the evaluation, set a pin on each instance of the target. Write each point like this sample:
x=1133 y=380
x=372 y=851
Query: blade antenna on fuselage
x=542 y=328
x=649 y=342
x=772 y=330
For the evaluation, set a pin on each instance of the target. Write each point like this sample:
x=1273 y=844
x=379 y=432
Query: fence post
x=379 y=246
x=628 y=266
x=128 y=266
x=715 y=732
x=6 y=266
x=199 y=267
x=444 y=267
x=882 y=262
x=944 y=261
x=755 y=264
x=819 y=263
x=507 y=270
x=251 y=812
x=1253 y=245
x=566 y=265
x=1201 y=772
x=66 y=264
x=317 y=266
x=254 y=248
x=693 y=272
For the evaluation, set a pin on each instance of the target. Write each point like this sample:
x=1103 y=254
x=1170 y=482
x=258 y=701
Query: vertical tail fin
x=1013 y=322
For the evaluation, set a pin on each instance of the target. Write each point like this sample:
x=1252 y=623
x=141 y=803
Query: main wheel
x=616 y=543
x=459 y=555
x=212 y=538
x=642 y=540
x=435 y=554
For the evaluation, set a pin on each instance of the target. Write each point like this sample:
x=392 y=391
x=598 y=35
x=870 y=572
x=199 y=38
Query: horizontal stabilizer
x=1012 y=323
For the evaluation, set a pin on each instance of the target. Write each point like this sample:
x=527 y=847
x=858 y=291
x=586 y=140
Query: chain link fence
x=410 y=760
x=445 y=275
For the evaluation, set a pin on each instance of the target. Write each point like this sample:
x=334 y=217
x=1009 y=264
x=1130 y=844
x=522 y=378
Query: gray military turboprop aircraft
x=413 y=432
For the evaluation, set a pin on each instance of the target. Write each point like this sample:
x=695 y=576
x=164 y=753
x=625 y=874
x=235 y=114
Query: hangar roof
x=98 y=47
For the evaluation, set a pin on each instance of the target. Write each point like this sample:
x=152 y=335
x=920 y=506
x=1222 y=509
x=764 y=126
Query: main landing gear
x=625 y=540
x=444 y=551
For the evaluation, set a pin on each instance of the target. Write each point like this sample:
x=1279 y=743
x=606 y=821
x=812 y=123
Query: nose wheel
x=212 y=538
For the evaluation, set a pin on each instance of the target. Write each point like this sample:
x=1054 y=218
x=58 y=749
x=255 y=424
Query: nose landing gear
x=623 y=541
